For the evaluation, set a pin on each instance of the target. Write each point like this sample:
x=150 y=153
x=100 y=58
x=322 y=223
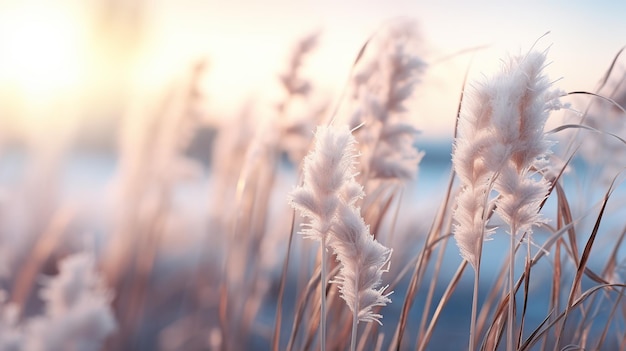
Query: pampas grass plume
x=328 y=198
x=500 y=146
x=78 y=311
x=363 y=261
x=328 y=170
x=500 y=140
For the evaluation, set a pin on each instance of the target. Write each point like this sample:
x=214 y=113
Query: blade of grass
x=442 y=302
x=304 y=299
x=555 y=297
x=525 y=305
x=281 y=288
x=538 y=333
x=537 y=330
x=490 y=301
x=581 y=126
x=432 y=235
x=607 y=74
x=312 y=287
x=611 y=264
x=431 y=291
x=576 y=285
x=495 y=330
x=600 y=86
x=565 y=214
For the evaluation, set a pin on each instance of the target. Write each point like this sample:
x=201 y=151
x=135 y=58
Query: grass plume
x=194 y=221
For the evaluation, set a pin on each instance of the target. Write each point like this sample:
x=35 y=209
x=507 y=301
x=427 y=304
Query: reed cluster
x=212 y=252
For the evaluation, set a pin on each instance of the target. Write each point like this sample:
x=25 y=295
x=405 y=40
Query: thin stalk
x=323 y=276
x=431 y=290
x=303 y=301
x=541 y=330
x=472 y=337
x=423 y=342
x=281 y=290
x=584 y=258
x=527 y=266
x=511 y=318
x=355 y=319
x=611 y=316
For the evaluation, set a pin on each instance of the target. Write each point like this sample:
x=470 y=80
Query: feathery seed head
x=328 y=169
x=363 y=261
x=328 y=199
x=500 y=140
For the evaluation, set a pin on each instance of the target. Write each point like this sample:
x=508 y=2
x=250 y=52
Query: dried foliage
x=206 y=256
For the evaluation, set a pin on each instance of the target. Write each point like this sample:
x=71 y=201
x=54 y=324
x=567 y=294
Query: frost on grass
x=77 y=316
x=78 y=313
x=363 y=261
x=328 y=199
x=329 y=173
x=501 y=146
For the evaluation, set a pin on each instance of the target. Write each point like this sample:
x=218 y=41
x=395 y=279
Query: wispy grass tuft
x=328 y=199
x=501 y=146
x=328 y=172
x=196 y=250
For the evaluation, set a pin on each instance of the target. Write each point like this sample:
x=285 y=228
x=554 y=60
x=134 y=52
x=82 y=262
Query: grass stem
x=472 y=338
x=323 y=277
x=511 y=315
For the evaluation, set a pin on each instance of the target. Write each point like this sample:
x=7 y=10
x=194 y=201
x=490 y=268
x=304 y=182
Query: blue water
x=88 y=177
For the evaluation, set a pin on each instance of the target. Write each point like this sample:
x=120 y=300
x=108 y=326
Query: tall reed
x=328 y=173
x=282 y=131
x=384 y=81
x=500 y=146
x=328 y=199
x=177 y=281
x=363 y=260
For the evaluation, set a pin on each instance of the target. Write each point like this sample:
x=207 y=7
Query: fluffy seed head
x=363 y=261
x=329 y=171
x=500 y=141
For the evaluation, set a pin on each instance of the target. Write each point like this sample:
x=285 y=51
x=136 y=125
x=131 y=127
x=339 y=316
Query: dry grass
x=244 y=278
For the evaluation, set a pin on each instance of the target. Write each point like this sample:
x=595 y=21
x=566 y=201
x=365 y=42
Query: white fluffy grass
x=77 y=316
x=501 y=144
x=383 y=86
x=328 y=198
x=204 y=309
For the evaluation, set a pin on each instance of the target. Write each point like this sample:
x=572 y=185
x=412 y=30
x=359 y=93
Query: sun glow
x=40 y=51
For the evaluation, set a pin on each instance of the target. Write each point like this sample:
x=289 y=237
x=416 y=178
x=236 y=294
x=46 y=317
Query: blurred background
x=76 y=66
x=115 y=114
